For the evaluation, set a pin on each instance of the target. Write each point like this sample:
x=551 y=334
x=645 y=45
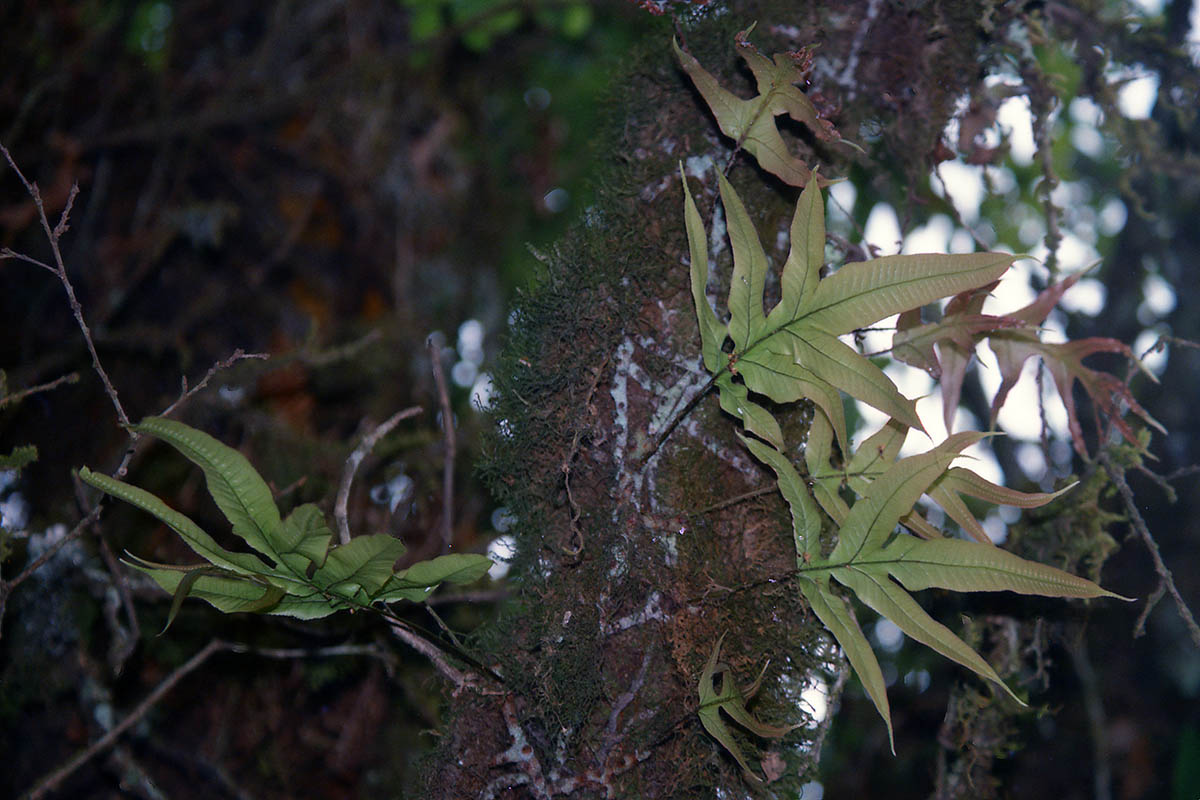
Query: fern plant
x=295 y=570
x=884 y=548
x=794 y=357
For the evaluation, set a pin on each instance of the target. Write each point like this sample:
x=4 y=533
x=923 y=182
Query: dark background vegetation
x=333 y=182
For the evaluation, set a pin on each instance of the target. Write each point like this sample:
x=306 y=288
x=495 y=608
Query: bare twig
x=60 y=269
x=365 y=446
x=7 y=253
x=459 y=678
x=575 y=546
x=16 y=397
x=439 y=377
x=733 y=501
x=51 y=781
x=374 y=650
x=980 y=243
x=51 y=551
x=186 y=394
x=120 y=651
x=344 y=352
x=1093 y=704
x=489 y=596
x=1164 y=575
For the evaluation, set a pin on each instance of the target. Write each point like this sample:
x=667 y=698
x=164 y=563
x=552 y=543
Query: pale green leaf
x=735 y=400
x=304 y=538
x=892 y=495
x=964 y=566
x=879 y=592
x=862 y=293
x=227 y=592
x=806 y=519
x=838 y=364
x=780 y=377
x=712 y=332
x=870 y=556
x=416 y=582
x=795 y=351
x=191 y=533
x=827 y=481
x=751 y=123
x=832 y=611
x=359 y=568
x=746 y=320
x=20 y=457
x=727 y=697
x=239 y=491
x=802 y=270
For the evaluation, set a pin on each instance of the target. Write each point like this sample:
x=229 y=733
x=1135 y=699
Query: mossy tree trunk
x=630 y=569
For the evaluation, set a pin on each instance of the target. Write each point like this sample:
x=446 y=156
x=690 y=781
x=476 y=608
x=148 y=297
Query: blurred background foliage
x=332 y=182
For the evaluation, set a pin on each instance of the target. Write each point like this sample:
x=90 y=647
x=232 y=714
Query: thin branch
x=575 y=546
x=675 y=420
x=439 y=377
x=16 y=397
x=459 y=678
x=1164 y=575
x=374 y=650
x=52 y=781
x=186 y=393
x=355 y=459
x=958 y=214
x=7 y=253
x=60 y=269
x=51 y=551
x=733 y=501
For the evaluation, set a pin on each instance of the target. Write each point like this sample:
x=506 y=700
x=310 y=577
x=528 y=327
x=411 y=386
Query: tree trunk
x=631 y=569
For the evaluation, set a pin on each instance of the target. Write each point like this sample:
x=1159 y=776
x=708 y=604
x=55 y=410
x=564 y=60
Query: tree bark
x=632 y=565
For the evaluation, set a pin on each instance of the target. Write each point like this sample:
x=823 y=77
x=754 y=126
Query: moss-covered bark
x=629 y=572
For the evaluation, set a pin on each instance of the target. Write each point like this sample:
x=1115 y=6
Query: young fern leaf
x=751 y=123
x=1014 y=338
x=880 y=567
x=794 y=350
x=729 y=698
x=307 y=577
x=877 y=453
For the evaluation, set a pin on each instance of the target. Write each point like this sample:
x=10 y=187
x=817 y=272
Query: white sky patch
x=1075 y=254
x=816 y=698
x=470 y=341
x=888 y=635
x=965 y=186
x=1088 y=296
x=1155 y=361
x=1158 y=298
x=1087 y=140
x=962 y=241
x=1084 y=111
x=883 y=229
x=501 y=551
x=879 y=337
x=841 y=200
x=1014 y=291
x=932 y=237
x=1112 y=217
x=1020 y=416
x=482 y=391
x=1002 y=180
x=1015 y=117
x=1135 y=99
x=1031 y=459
